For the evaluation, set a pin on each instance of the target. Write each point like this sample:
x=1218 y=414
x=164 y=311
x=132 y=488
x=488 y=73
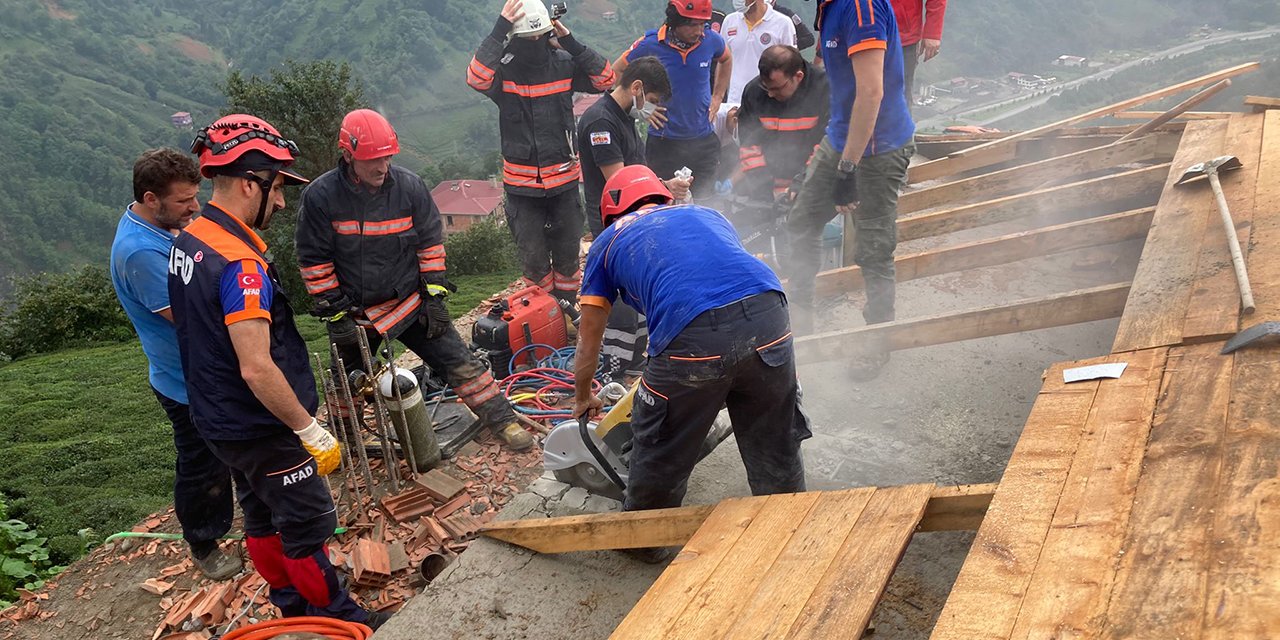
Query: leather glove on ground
x=846 y=189
x=322 y=446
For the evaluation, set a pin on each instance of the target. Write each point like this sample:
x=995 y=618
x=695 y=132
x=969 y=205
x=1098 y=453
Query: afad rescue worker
x=252 y=391
x=699 y=66
x=533 y=83
x=718 y=333
x=371 y=249
x=610 y=141
x=783 y=114
x=861 y=164
x=166 y=183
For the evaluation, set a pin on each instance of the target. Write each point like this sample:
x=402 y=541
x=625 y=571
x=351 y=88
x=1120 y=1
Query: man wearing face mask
x=533 y=84
x=609 y=140
x=699 y=66
x=753 y=27
x=249 y=379
x=371 y=250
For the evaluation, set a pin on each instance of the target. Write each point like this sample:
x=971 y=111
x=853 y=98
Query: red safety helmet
x=231 y=138
x=630 y=185
x=693 y=9
x=367 y=135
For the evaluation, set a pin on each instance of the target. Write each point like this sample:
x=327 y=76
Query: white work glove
x=322 y=446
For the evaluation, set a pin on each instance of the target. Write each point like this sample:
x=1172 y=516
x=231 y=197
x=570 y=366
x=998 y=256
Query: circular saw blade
x=587 y=476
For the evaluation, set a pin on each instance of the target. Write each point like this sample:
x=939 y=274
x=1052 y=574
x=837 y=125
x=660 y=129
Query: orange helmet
x=230 y=141
x=627 y=188
x=693 y=9
x=367 y=135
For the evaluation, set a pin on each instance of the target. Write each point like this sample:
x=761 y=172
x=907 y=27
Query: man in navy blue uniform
x=717 y=336
x=252 y=391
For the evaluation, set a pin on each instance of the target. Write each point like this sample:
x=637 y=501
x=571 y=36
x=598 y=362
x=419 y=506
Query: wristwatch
x=846 y=166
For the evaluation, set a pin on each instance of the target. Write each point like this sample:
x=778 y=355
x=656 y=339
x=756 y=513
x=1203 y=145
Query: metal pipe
x=358 y=445
x=379 y=415
x=331 y=401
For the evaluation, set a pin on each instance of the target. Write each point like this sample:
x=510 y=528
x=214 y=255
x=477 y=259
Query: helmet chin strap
x=264 y=185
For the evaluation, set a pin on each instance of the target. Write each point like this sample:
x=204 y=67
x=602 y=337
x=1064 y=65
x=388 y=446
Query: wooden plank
x=628 y=530
x=1244 y=568
x=954 y=164
x=724 y=595
x=1157 y=303
x=783 y=592
x=1187 y=115
x=1261 y=103
x=1213 y=312
x=1084 y=305
x=848 y=592
x=990 y=588
x=1123 y=105
x=1072 y=581
x=1090 y=232
x=1161 y=580
x=1141 y=183
x=1180 y=108
x=1001 y=183
x=1264 y=238
x=959 y=508
x=686 y=573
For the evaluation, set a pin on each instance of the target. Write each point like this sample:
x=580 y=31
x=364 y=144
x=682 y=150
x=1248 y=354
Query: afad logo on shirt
x=250 y=284
x=832 y=44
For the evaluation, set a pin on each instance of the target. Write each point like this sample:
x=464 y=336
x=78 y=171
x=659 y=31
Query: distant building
x=181 y=120
x=609 y=16
x=1070 y=61
x=463 y=203
x=582 y=102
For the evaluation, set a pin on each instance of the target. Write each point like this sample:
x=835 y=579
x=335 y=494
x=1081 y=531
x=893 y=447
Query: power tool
x=528 y=316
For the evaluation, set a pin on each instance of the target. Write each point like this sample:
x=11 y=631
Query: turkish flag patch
x=251 y=281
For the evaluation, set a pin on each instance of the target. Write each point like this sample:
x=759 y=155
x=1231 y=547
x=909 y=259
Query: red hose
x=327 y=627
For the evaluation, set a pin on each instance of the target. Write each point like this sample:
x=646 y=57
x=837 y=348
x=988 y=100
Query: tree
x=306 y=102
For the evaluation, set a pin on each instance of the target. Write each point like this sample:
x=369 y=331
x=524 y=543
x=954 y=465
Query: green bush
x=24 y=558
x=48 y=312
x=487 y=247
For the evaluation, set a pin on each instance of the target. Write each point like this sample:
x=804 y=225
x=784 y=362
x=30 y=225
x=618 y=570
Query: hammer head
x=1203 y=169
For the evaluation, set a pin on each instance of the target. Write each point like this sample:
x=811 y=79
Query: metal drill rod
x=380 y=415
x=331 y=400
x=407 y=441
x=358 y=445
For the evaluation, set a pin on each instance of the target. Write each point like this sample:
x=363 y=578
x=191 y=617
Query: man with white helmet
x=533 y=83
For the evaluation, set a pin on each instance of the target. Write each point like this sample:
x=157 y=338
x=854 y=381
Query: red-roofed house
x=463 y=203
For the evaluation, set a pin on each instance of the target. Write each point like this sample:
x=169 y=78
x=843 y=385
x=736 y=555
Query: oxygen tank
x=410 y=417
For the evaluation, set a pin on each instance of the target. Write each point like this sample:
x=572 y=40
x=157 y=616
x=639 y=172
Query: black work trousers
x=547 y=232
x=202 y=491
x=701 y=155
x=741 y=355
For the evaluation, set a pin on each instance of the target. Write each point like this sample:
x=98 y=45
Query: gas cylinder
x=411 y=419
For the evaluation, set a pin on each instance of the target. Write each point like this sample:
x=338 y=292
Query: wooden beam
x=951 y=508
x=1181 y=108
x=1142 y=184
x=959 y=508
x=1091 y=232
x=1000 y=183
x=1189 y=115
x=1123 y=105
x=1084 y=305
x=1261 y=103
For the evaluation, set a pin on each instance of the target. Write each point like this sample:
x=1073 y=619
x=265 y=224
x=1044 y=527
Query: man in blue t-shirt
x=165 y=183
x=718 y=333
x=861 y=164
x=699 y=66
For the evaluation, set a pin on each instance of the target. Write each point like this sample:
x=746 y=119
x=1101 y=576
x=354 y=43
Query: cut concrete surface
x=949 y=414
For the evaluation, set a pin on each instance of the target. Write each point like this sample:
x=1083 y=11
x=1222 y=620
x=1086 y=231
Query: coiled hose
x=327 y=627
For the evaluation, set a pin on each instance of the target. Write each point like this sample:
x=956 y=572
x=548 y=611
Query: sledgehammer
x=1211 y=169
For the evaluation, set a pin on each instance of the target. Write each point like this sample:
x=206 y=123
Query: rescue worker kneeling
x=719 y=332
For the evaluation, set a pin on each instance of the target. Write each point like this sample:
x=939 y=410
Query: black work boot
x=376 y=619
x=216 y=564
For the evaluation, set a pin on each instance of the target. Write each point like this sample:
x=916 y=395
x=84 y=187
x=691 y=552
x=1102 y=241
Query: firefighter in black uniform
x=533 y=83
x=370 y=247
x=249 y=379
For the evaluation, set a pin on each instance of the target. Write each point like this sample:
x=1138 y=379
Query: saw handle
x=585 y=432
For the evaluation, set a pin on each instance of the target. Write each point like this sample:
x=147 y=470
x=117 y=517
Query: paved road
x=1025 y=104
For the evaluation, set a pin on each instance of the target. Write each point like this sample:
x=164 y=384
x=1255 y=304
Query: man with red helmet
x=249 y=379
x=716 y=336
x=699 y=65
x=371 y=248
x=533 y=83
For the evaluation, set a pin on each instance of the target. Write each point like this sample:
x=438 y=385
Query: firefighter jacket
x=533 y=88
x=777 y=138
x=373 y=248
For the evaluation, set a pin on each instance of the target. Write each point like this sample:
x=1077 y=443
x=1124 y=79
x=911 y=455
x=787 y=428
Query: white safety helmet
x=536 y=20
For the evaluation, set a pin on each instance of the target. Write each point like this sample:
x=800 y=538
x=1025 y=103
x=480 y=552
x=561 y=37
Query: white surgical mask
x=741 y=5
x=642 y=109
